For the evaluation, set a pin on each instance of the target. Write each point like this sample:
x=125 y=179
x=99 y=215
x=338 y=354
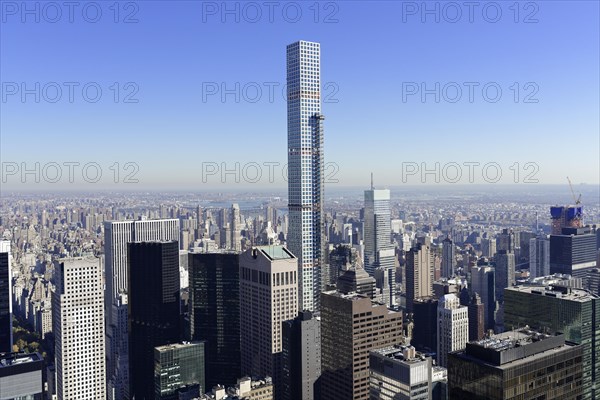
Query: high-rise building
x=504 y=272
x=21 y=376
x=379 y=251
x=179 y=371
x=573 y=252
x=424 y=334
x=301 y=357
x=476 y=317
x=268 y=297
x=505 y=240
x=356 y=279
x=539 y=256
x=488 y=247
x=574 y=312
x=400 y=373
x=565 y=217
x=117 y=234
x=351 y=326
x=118 y=386
x=385 y=281
x=78 y=328
x=519 y=364
x=452 y=327
x=215 y=313
x=483 y=283
x=236 y=244
x=154 y=309
x=419 y=274
x=341 y=258
x=448 y=258
x=305 y=237
x=5 y=298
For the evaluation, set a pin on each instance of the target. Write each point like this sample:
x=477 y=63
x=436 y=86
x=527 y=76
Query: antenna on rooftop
x=372 y=187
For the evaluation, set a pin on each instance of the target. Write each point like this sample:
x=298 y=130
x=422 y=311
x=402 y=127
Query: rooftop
x=405 y=354
x=509 y=349
x=10 y=359
x=276 y=252
x=572 y=294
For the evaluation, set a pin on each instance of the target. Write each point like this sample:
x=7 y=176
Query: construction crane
x=577 y=199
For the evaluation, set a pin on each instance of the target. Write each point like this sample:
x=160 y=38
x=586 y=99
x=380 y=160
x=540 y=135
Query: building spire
x=372 y=187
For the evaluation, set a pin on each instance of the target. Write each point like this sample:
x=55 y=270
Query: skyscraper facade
x=235 y=227
x=573 y=252
x=424 y=334
x=179 y=371
x=505 y=272
x=400 y=373
x=483 y=283
x=476 y=317
x=539 y=257
x=5 y=299
x=419 y=274
x=453 y=327
x=215 y=313
x=268 y=297
x=301 y=357
x=117 y=234
x=305 y=237
x=447 y=258
x=379 y=251
x=519 y=364
x=351 y=326
x=154 y=309
x=21 y=376
x=78 y=328
x=574 y=312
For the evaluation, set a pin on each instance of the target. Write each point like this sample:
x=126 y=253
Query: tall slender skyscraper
x=305 y=168
x=116 y=237
x=154 y=309
x=235 y=228
x=78 y=327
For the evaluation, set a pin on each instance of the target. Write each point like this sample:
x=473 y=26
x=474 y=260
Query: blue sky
x=372 y=54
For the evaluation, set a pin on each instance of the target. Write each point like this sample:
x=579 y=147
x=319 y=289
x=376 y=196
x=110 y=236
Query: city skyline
x=186 y=212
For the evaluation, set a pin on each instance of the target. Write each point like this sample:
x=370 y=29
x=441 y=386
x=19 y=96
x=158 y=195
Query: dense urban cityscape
x=469 y=290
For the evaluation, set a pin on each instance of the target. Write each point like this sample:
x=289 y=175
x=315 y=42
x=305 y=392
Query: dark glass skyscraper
x=519 y=364
x=179 y=371
x=154 y=315
x=424 y=336
x=215 y=313
x=573 y=252
x=5 y=311
x=574 y=312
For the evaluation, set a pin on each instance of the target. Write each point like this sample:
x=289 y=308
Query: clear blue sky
x=370 y=51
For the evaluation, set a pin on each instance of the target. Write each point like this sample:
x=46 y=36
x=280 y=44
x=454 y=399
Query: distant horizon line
x=251 y=189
